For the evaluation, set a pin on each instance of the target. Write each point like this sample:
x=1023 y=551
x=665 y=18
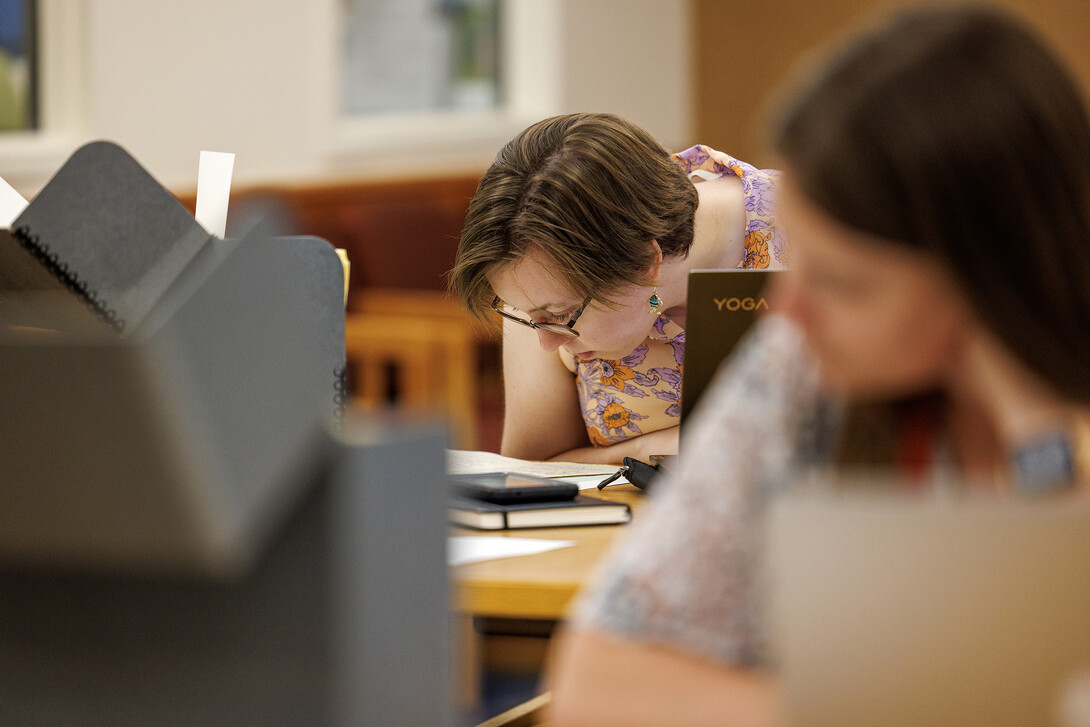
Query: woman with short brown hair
x=581 y=236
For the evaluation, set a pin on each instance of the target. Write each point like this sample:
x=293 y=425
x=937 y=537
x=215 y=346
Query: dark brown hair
x=957 y=133
x=590 y=190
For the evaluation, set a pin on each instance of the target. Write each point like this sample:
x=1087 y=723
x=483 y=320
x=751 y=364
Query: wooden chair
x=427 y=344
x=527 y=714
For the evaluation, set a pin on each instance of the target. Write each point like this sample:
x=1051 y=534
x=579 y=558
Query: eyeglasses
x=563 y=329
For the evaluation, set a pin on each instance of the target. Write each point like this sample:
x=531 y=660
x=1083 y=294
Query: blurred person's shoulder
x=776 y=345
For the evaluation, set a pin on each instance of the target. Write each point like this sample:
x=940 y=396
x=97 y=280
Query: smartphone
x=508 y=488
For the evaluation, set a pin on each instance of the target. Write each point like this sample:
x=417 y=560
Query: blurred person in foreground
x=581 y=237
x=936 y=322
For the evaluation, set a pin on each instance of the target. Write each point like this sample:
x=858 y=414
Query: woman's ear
x=653 y=270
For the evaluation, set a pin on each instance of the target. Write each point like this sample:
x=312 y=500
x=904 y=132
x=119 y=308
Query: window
x=412 y=56
x=18 y=65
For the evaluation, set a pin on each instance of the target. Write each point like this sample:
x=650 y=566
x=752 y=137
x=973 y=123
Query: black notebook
x=583 y=510
x=103 y=229
x=103 y=244
x=184 y=429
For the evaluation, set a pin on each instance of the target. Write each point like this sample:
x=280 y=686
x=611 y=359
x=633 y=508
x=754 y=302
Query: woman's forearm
x=664 y=441
x=600 y=680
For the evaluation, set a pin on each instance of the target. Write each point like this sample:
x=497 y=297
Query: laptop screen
x=898 y=609
x=722 y=305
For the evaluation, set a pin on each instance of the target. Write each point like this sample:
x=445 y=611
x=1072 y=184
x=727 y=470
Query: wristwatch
x=1054 y=462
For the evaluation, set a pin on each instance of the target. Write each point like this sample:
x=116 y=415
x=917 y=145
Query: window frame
x=61 y=81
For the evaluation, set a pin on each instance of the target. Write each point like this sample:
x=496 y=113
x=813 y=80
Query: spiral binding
x=340 y=396
x=60 y=270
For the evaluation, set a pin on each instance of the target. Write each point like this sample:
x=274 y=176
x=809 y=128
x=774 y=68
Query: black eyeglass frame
x=563 y=329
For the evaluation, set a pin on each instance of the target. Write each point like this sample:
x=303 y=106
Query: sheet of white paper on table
x=463 y=549
x=12 y=204
x=590 y=482
x=462 y=462
x=214 y=191
x=587 y=476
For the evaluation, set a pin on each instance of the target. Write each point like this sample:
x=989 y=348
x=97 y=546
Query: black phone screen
x=509 y=487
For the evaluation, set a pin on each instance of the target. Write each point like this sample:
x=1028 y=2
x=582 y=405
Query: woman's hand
x=1017 y=404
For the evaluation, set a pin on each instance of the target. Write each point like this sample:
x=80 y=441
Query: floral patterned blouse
x=766 y=247
x=641 y=392
x=686 y=573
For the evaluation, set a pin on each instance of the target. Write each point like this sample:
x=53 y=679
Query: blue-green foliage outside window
x=18 y=65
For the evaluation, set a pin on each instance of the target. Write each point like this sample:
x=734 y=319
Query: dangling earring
x=655 y=302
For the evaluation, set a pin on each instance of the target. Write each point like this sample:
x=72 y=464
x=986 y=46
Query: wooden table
x=540 y=586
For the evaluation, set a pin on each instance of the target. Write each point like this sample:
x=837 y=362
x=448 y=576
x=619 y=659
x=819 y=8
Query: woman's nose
x=550 y=341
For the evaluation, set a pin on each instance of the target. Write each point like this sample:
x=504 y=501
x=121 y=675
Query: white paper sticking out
x=343 y=255
x=12 y=204
x=471 y=549
x=214 y=190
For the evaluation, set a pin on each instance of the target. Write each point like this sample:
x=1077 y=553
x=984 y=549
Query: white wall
x=631 y=57
x=258 y=77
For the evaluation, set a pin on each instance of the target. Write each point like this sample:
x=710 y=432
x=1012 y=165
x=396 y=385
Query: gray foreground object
x=189 y=533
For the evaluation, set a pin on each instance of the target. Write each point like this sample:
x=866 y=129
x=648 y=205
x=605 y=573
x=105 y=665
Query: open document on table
x=460 y=461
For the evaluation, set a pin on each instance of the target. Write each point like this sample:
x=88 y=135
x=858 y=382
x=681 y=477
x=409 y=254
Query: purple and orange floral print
x=764 y=240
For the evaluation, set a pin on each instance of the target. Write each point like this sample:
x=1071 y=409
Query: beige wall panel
x=742 y=50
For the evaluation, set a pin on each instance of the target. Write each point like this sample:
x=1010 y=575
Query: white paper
x=463 y=549
x=343 y=256
x=12 y=204
x=465 y=462
x=590 y=482
x=214 y=190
